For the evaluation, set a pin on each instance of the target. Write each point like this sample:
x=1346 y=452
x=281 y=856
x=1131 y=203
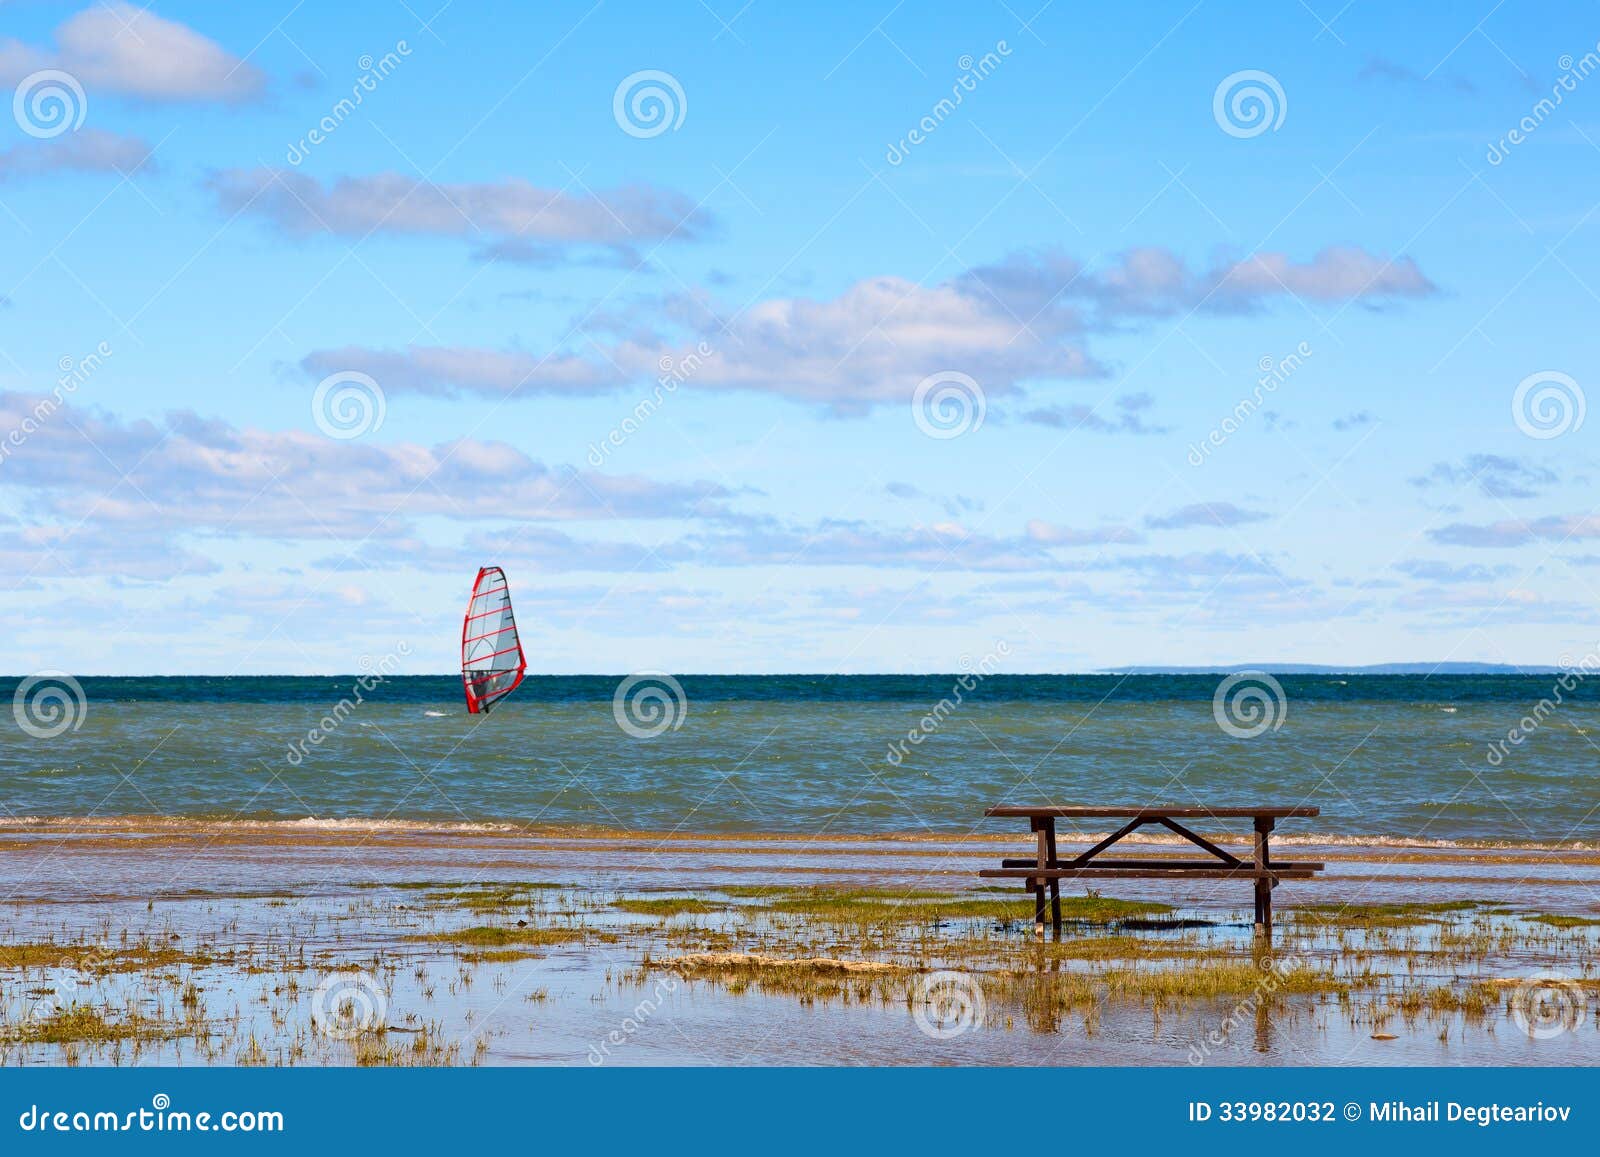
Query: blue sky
x=1095 y=248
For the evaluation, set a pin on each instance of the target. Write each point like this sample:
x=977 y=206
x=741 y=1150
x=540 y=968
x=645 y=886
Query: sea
x=1476 y=760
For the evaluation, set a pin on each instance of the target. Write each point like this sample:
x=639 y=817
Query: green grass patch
x=1558 y=921
x=97 y=958
x=498 y=956
x=490 y=936
x=1379 y=915
x=668 y=906
x=905 y=906
x=83 y=1024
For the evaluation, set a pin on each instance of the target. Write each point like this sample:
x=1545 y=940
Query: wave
x=202 y=823
x=78 y=825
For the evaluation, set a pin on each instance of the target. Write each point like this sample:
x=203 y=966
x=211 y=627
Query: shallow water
x=590 y=1004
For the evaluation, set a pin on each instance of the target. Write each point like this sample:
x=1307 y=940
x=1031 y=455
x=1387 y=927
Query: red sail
x=492 y=663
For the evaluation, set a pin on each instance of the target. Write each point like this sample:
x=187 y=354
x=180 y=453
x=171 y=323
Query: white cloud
x=1214 y=514
x=87 y=151
x=515 y=218
x=1519 y=531
x=82 y=480
x=117 y=47
x=1023 y=319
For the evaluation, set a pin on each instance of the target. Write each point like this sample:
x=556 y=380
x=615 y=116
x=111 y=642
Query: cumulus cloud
x=1433 y=571
x=1127 y=420
x=1495 y=476
x=88 y=150
x=529 y=549
x=954 y=505
x=1338 y=273
x=734 y=540
x=870 y=345
x=1381 y=69
x=1049 y=534
x=446 y=370
x=1208 y=571
x=1519 y=531
x=1218 y=514
x=142 y=482
x=120 y=48
x=513 y=218
x=847 y=542
x=1150 y=281
x=30 y=554
x=1024 y=319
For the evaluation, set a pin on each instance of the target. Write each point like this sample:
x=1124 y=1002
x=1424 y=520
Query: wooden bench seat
x=1104 y=873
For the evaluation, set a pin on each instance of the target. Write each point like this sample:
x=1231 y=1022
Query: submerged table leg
x=1040 y=832
x=1055 y=884
x=1263 y=858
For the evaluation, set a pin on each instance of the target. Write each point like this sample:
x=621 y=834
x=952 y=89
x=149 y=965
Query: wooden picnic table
x=1045 y=870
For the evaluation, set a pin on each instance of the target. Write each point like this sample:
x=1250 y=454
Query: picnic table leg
x=1055 y=884
x=1039 y=831
x=1263 y=858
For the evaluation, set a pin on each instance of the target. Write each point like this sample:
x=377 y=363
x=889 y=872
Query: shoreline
x=315 y=828
x=52 y=861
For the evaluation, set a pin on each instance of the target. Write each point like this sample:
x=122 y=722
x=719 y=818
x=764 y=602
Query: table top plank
x=1069 y=811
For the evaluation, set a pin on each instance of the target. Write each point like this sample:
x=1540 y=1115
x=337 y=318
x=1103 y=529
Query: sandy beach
x=181 y=941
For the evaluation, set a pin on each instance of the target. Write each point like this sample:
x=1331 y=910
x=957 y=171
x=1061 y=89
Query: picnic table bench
x=1045 y=870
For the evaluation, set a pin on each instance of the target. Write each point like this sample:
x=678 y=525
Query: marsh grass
x=493 y=936
x=237 y=992
x=98 y=958
x=873 y=905
x=1559 y=921
x=84 y=1024
x=668 y=906
x=1379 y=915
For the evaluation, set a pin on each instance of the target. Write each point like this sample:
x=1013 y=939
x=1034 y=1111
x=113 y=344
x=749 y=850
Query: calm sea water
x=1389 y=757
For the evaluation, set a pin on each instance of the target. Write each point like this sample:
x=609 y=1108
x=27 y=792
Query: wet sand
x=561 y=946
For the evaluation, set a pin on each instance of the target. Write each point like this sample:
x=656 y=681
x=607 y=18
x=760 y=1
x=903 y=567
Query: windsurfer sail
x=492 y=663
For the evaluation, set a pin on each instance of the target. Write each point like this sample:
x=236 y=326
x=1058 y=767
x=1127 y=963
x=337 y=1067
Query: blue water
x=1393 y=757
